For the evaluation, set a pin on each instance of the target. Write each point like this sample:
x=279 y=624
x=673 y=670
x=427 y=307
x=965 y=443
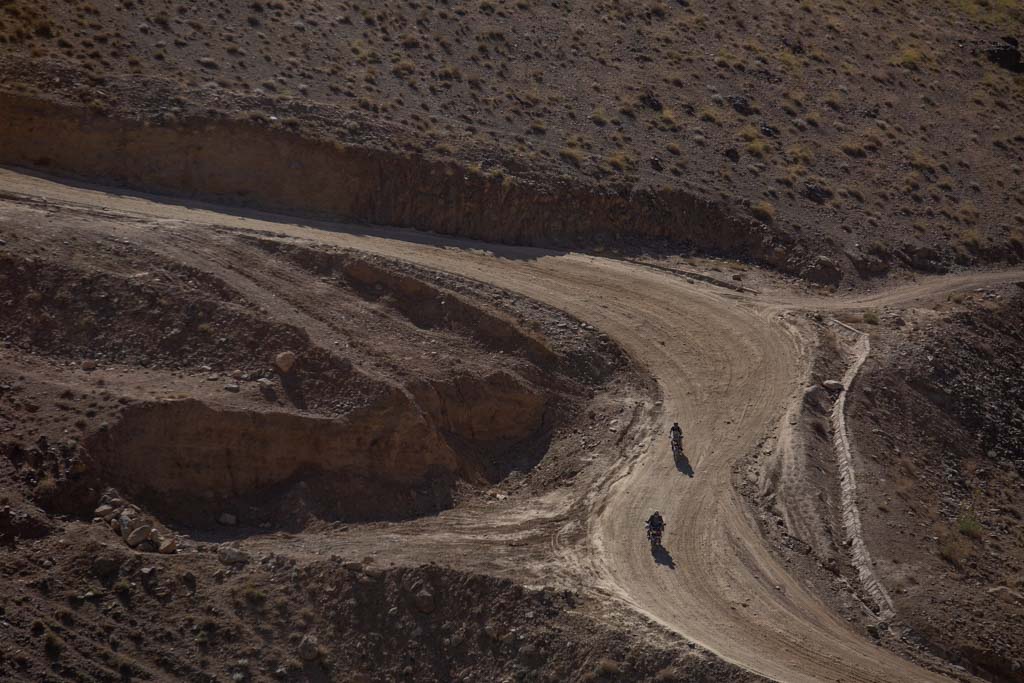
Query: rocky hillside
x=80 y=609
x=826 y=139
x=938 y=416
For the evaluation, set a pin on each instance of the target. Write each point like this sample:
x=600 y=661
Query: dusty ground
x=874 y=136
x=731 y=364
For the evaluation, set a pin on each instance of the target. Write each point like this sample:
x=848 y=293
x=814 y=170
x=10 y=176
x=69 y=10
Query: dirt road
x=728 y=364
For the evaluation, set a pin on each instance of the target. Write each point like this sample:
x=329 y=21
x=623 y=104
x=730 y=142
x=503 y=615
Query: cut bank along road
x=728 y=368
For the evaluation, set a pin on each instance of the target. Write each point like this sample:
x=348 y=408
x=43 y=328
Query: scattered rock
x=425 y=601
x=233 y=388
x=230 y=555
x=167 y=546
x=1007 y=594
x=817 y=193
x=921 y=258
x=868 y=264
x=1006 y=54
x=284 y=361
x=652 y=102
x=88 y=364
x=138 y=535
x=530 y=656
x=147 y=546
x=833 y=385
x=126 y=523
x=105 y=512
x=309 y=648
x=227 y=519
x=824 y=270
x=106 y=565
x=741 y=105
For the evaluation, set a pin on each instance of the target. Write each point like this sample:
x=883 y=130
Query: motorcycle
x=654 y=535
x=677 y=447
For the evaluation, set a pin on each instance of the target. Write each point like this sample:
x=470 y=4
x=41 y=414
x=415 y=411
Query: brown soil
x=823 y=146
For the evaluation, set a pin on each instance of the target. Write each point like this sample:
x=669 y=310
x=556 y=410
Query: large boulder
x=824 y=271
x=284 y=362
x=1006 y=54
x=139 y=535
x=309 y=648
x=424 y=601
x=231 y=555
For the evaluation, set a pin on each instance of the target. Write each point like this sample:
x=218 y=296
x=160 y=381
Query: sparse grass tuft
x=969 y=526
x=758 y=148
x=571 y=155
x=53 y=645
x=607 y=667
x=853 y=149
x=910 y=58
x=763 y=211
x=971 y=238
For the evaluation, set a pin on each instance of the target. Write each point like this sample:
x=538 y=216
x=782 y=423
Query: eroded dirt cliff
x=247 y=374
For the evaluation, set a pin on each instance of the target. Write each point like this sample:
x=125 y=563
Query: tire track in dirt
x=728 y=367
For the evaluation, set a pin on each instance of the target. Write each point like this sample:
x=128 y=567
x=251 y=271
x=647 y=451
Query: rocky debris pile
x=433 y=623
x=17 y=524
x=56 y=471
x=284 y=361
x=138 y=530
x=231 y=555
x=977 y=370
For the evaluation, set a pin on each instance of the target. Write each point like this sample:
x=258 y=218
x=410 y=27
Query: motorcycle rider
x=676 y=432
x=656 y=522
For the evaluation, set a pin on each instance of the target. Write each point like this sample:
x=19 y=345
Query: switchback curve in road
x=728 y=367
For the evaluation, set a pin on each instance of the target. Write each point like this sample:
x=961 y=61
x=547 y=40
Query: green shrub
x=969 y=526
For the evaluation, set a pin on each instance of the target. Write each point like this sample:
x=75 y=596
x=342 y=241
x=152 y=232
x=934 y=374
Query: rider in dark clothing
x=655 y=521
x=676 y=432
